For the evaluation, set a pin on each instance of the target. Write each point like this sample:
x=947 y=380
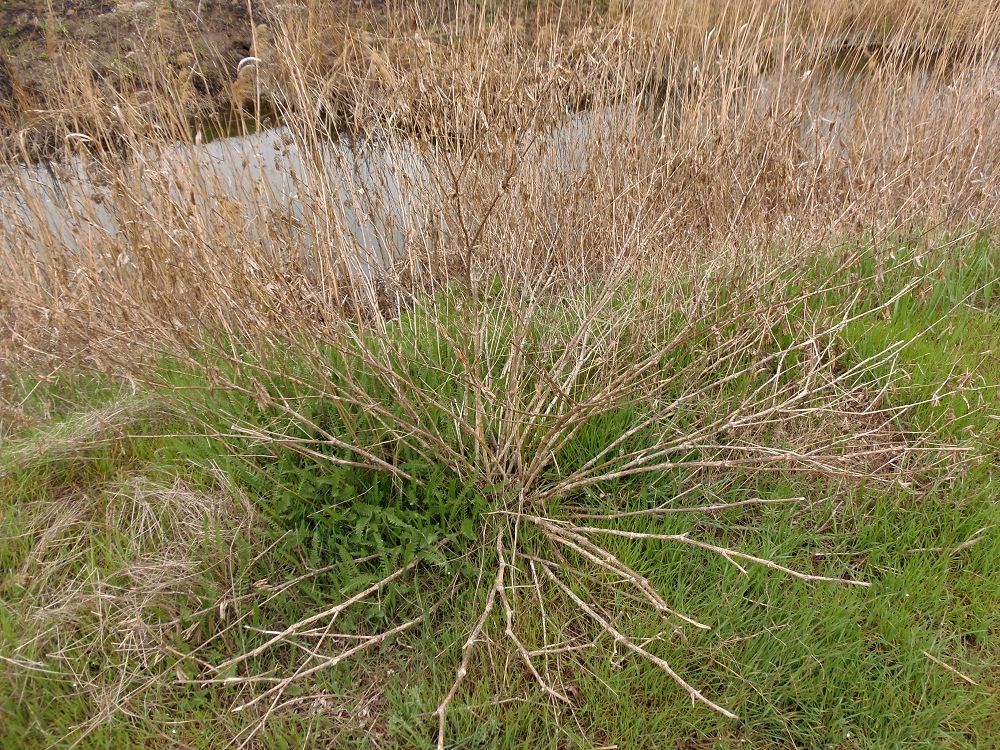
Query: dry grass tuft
x=79 y=434
x=105 y=581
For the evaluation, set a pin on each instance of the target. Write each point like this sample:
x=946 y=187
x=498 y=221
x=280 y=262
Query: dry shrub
x=495 y=388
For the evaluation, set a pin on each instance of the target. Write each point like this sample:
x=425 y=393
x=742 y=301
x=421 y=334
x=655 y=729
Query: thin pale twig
x=951 y=669
x=692 y=509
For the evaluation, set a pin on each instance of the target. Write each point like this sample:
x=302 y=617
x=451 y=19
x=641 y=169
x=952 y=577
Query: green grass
x=803 y=665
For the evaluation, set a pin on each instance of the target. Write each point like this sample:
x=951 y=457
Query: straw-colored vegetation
x=546 y=374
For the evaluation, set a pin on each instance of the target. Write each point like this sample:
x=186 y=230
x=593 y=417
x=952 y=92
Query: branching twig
x=331 y=613
x=601 y=557
x=467 y=648
x=723 y=551
x=509 y=630
x=331 y=661
x=695 y=694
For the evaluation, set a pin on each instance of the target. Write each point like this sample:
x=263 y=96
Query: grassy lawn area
x=167 y=547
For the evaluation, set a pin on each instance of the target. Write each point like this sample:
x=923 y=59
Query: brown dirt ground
x=116 y=29
x=116 y=39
